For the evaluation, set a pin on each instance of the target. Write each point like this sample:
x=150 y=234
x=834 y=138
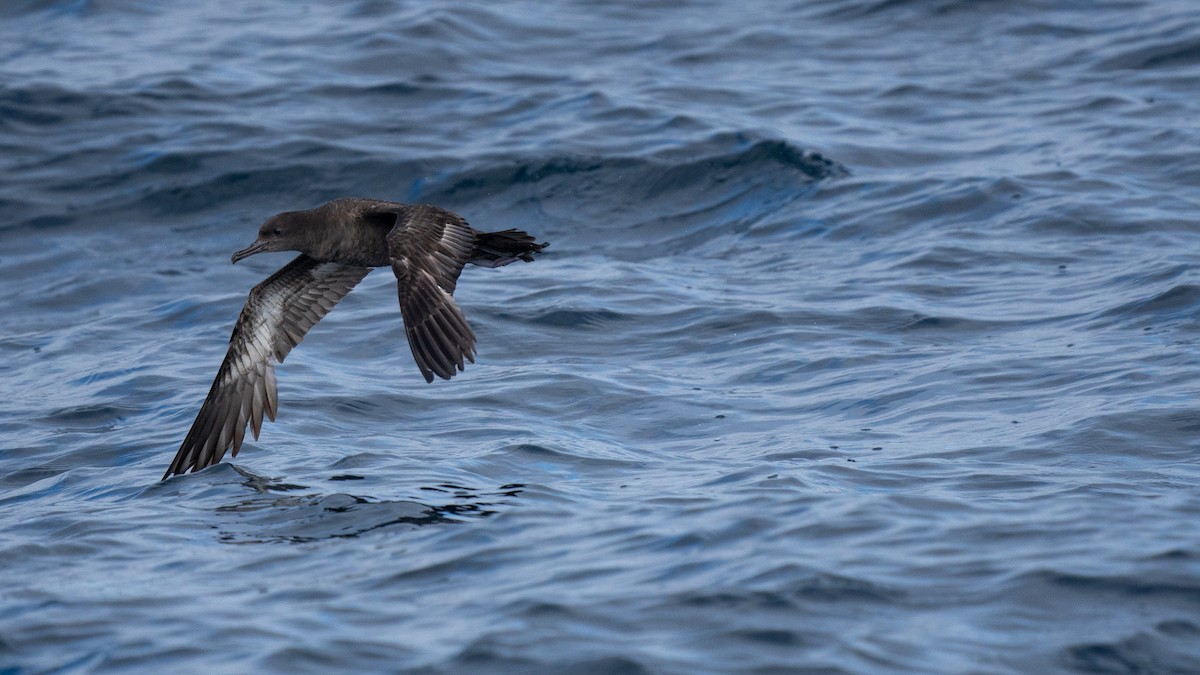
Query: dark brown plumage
x=339 y=243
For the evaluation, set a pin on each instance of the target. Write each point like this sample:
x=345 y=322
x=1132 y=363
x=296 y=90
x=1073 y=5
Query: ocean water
x=866 y=341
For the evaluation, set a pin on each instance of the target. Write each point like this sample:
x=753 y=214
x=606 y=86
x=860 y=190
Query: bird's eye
x=276 y=232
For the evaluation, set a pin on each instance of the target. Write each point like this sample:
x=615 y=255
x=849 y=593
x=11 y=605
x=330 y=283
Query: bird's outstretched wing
x=429 y=247
x=275 y=318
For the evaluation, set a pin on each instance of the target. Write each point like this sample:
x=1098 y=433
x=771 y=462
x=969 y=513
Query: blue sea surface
x=866 y=341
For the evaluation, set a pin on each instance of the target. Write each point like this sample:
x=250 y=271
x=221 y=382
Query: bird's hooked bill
x=257 y=247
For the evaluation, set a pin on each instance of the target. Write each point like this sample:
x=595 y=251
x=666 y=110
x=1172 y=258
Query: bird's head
x=281 y=232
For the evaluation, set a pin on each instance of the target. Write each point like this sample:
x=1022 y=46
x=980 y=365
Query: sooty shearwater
x=339 y=243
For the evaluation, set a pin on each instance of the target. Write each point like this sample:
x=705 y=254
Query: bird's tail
x=496 y=249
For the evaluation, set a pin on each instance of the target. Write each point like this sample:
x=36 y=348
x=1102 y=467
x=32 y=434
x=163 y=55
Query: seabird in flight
x=339 y=243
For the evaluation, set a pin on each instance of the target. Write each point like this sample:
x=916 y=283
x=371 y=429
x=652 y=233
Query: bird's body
x=340 y=242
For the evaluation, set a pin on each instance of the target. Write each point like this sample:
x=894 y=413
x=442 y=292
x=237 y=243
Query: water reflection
x=275 y=515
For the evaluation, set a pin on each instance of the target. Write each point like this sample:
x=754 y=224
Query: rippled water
x=866 y=341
